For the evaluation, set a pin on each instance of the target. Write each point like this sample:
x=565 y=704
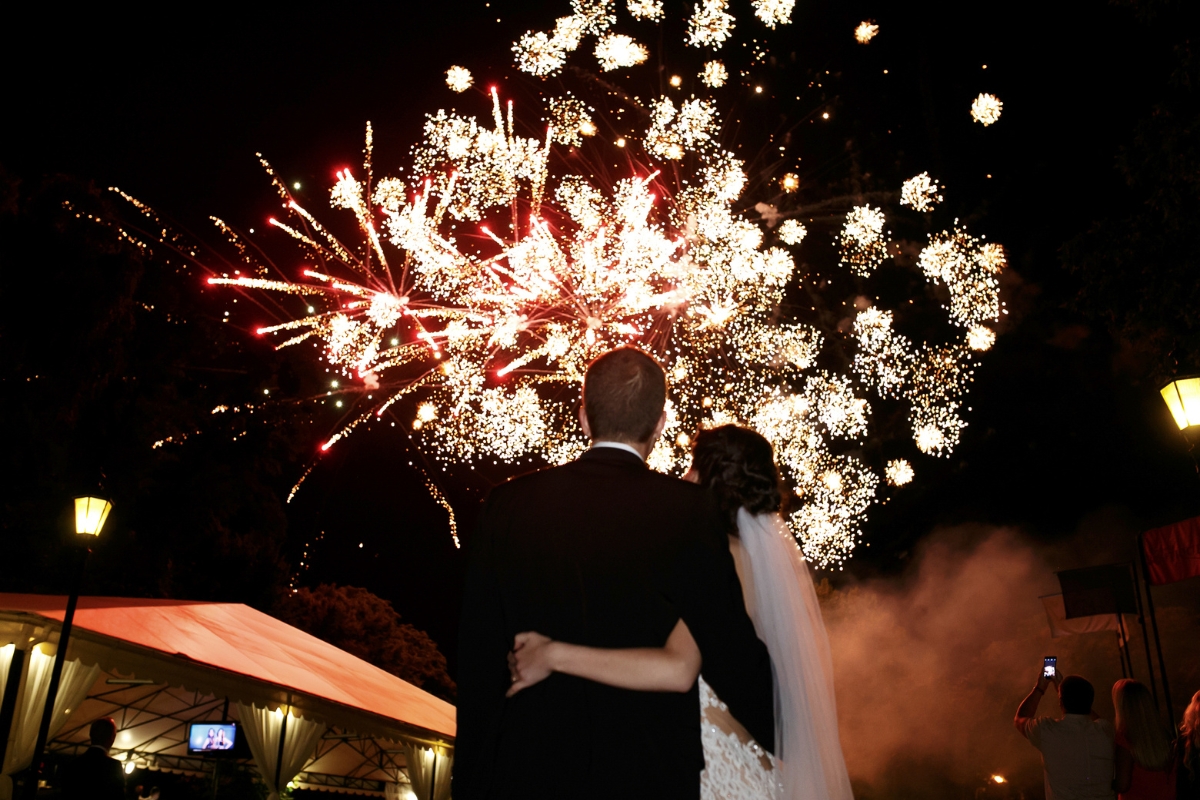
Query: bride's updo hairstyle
x=737 y=468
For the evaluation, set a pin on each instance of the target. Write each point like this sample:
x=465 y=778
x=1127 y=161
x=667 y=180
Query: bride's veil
x=788 y=620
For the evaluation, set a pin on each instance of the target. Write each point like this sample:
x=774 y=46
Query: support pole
x=1137 y=591
x=8 y=706
x=60 y=658
x=282 y=736
x=1123 y=645
x=1162 y=665
x=433 y=775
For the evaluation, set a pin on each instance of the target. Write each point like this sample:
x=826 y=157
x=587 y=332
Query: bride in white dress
x=736 y=466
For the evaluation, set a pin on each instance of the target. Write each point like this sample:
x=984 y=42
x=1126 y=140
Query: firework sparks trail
x=491 y=276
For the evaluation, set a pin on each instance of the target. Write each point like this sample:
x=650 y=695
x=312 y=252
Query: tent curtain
x=421 y=771
x=6 y=657
x=73 y=687
x=398 y=791
x=262 y=728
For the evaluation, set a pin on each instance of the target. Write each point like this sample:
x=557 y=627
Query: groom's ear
x=583 y=422
x=658 y=429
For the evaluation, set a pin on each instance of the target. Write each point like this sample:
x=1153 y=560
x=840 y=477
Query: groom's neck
x=643 y=448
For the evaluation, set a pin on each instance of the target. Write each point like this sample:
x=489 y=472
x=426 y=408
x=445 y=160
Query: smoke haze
x=930 y=667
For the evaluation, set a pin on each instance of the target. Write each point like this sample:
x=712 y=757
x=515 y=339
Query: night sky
x=172 y=106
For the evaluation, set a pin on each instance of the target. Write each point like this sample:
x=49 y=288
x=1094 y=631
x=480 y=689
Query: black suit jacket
x=93 y=776
x=607 y=553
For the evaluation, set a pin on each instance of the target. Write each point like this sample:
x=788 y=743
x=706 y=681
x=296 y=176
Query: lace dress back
x=736 y=768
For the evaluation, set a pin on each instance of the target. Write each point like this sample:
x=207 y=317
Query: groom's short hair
x=624 y=393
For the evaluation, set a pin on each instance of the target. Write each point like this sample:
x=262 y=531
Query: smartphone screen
x=1049 y=665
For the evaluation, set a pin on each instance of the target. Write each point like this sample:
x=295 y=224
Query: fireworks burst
x=459 y=79
x=863 y=240
x=615 y=50
x=899 y=472
x=865 y=32
x=791 y=232
x=986 y=109
x=921 y=193
x=497 y=268
x=714 y=74
x=710 y=25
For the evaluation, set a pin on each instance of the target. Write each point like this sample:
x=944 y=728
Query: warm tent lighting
x=1182 y=396
x=998 y=778
x=90 y=514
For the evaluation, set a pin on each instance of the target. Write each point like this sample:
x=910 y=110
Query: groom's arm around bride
x=602 y=552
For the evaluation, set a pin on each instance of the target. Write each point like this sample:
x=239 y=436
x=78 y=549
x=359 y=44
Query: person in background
x=1077 y=750
x=1145 y=758
x=94 y=775
x=1187 y=783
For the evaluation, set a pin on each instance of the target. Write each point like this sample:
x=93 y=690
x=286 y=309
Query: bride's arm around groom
x=607 y=553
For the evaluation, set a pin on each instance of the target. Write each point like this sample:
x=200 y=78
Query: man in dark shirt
x=95 y=776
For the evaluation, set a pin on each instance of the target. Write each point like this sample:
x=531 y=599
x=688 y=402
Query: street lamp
x=90 y=516
x=1182 y=397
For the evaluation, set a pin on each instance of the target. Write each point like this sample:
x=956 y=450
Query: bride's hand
x=529 y=661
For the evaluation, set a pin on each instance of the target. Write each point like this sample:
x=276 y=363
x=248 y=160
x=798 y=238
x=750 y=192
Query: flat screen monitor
x=211 y=737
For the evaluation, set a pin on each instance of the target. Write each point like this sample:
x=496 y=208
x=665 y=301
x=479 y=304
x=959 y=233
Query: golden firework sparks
x=615 y=50
x=920 y=192
x=865 y=32
x=459 y=79
x=899 y=472
x=710 y=24
x=985 y=109
x=714 y=74
x=863 y=240
x=791 y=232
x=646 y=9
x=774 y=12
x=980 y=338
x=570 y=120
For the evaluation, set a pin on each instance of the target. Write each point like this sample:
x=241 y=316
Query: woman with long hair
x=1145 y=757
x=736 y=467
x=1188 y=750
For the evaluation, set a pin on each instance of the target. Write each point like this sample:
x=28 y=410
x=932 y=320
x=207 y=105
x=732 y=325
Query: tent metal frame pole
x=282 y=736
x=1141 y=618
x=433 y=775
x=8 y=707
x=1162 y=665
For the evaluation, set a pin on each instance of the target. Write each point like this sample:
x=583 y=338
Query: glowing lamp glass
x=1182 y=397
x=90 y=514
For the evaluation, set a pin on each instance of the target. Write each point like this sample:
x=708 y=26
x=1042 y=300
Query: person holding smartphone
x=1077 y=749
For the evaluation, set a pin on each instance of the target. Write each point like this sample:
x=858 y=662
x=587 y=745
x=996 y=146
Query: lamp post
x=90 y=514
x=1182 y=397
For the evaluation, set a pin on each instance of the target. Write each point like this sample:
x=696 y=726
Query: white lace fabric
x=736 y=768
x=782 y=603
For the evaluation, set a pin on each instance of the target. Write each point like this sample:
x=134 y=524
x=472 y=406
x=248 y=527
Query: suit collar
x=612 y=455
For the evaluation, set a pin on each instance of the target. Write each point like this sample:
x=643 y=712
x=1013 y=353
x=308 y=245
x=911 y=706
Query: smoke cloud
x=930 y=666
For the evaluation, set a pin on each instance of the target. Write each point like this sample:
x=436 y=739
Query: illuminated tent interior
x=157 y=666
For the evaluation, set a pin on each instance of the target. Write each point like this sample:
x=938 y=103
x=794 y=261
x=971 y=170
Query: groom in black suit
x=602 y=552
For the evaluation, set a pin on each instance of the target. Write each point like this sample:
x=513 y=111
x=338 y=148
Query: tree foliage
x=1140 y=267
x=365 y=625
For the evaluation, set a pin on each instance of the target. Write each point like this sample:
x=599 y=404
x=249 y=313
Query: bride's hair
x=737 y=468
